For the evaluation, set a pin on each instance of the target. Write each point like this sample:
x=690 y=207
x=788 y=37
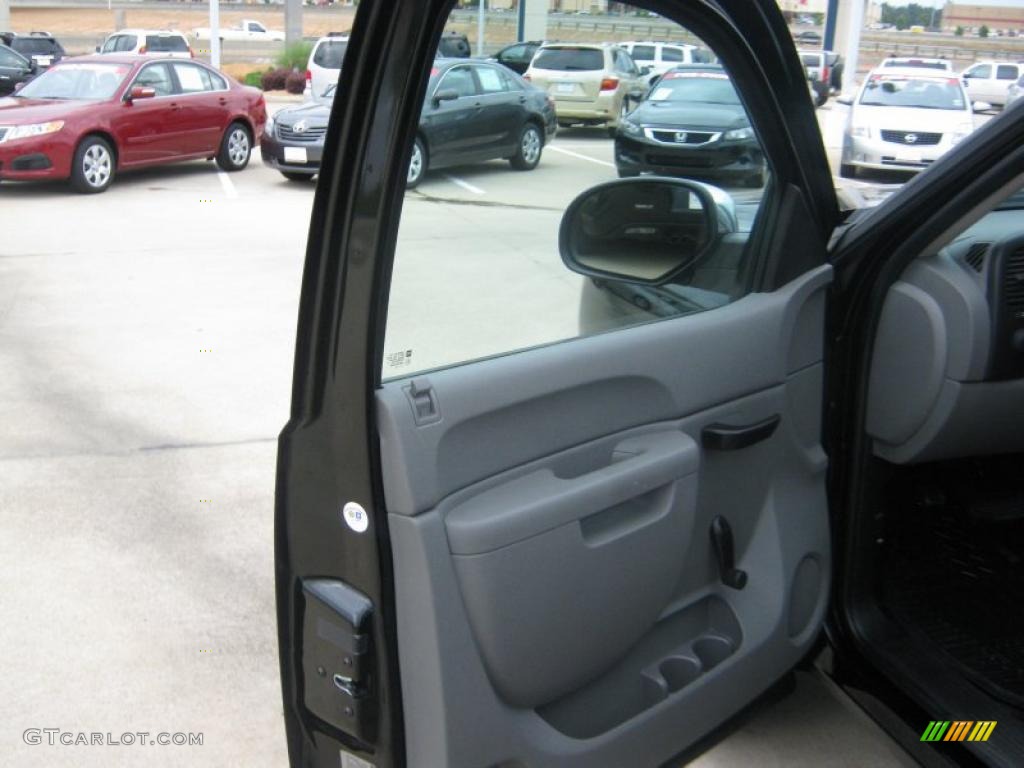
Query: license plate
x=44 y=61
x=565 y=87
x=909 y=158
x=295 y=154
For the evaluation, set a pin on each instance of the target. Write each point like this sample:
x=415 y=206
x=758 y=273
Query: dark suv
x=40 y=47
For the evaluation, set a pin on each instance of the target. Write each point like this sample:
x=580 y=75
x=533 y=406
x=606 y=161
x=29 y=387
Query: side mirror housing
x=446 y=94
x=845 y=99
x=642 y=230
x=140 y=92
x=646 y=70
x=981 y=106
x=97 y=49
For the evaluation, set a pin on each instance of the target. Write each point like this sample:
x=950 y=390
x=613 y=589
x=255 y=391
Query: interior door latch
x=337 y=655
x=423 y=399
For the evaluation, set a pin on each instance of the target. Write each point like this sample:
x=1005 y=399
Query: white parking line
x=464 y=184
x=227 y=184
x=605 y=163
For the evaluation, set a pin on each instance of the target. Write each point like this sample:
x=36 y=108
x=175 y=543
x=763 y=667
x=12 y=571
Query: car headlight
x=268 y=127
x=739 y=133
x=35 y=129
x=862 y=131
x=628 y=126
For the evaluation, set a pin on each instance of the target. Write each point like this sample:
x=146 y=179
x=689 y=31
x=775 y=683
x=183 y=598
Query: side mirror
x=845 y=99
x=645 y=71
x=97 y=49
x=33 y=67
x=640 y=230
x=981 y=106
x=140 y=92
x=447 y=94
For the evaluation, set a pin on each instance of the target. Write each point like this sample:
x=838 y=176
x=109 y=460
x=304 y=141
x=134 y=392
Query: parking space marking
x=227 y=184
x=605 y=163
x=464 y=184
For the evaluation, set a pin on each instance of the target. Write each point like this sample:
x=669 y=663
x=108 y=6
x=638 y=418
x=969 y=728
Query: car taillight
x=825 y=75
x=609 y=84
x=309 y=76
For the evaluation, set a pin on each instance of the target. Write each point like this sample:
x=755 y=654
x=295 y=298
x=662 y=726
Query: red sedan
x=91 y=117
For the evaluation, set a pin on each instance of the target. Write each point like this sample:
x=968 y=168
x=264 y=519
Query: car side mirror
x=447 y=94
x=640 y=230
x=140 y=92
x=97 y=49
x=845 y=99
x=645 y=70
x=981 y=106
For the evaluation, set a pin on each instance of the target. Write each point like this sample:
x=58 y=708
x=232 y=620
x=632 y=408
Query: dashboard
x=947 y=376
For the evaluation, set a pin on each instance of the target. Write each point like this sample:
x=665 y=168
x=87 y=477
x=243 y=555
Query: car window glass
x=166 y=44
x=478 y=270
x=669 y=53
x=515 y=53
x=8 y=59
x=460 y=80
x=34 y=46
x=980 y=71
x=901 y=91
x=490 y=80
x=330 y=53
x=569 y=59
x=157 y=77
x=192 y=79
x=509 y=82
x=1006 y=72
x=127 y=43
x=218 y=83
x=643 y=52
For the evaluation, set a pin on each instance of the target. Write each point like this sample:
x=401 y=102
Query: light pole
x=481 y=11
x=215 y=33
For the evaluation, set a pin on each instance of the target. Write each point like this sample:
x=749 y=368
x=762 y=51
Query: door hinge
x=337 y=655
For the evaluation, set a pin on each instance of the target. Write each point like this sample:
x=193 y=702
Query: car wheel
x=757 y=180
x=417 y=164
x=235 y=148
x=628 y=174
x=529 y=149
x=297 y=176
x=93 y=168
x=848 y=171
x=822 y=98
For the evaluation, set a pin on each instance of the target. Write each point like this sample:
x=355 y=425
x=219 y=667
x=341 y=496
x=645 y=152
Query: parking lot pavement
x=146 y=339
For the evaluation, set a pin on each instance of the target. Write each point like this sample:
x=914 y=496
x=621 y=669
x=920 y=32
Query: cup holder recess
x=679 y=671
x=712 y=650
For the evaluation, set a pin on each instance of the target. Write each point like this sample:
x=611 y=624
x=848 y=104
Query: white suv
x=324 y=65
x=659 y=58
x=991 y=80
x=148 y=42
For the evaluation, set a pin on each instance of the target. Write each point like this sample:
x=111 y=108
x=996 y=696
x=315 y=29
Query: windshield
x=702 y=89
x=922 y=93
x=77 y=81
x=329 y=54
x=570 y=59
x=166 y=43
x=39 y=46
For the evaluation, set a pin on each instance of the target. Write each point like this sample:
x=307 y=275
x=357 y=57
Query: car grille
x=919 y=139
x=681 y=137
x=310 y=135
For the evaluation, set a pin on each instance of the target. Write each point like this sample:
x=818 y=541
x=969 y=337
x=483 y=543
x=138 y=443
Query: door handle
x=728 y=437
x=174 y=106
x=222 y=101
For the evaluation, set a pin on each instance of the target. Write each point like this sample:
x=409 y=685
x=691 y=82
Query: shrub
x=274 y=79
x=295 y=82
x=959 y=32
x=254 y=79
x=983 y=32
x=294 y=56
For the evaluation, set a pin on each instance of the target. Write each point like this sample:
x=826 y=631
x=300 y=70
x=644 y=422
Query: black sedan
x=474 y=111
x=14 y=70
x=692 y=124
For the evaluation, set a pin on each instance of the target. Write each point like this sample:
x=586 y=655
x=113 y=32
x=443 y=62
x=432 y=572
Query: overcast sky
x=941 y=3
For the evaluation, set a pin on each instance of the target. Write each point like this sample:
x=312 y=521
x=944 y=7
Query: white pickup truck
x=246 y=29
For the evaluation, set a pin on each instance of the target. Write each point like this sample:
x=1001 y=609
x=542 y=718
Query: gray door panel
x=558 y=601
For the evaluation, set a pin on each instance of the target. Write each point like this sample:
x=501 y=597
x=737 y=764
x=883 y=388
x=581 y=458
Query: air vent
x=976 y=255
x=1013 y=279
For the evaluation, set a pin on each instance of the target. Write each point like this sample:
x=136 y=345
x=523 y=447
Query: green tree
x=983 y=32
x=959 y=32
